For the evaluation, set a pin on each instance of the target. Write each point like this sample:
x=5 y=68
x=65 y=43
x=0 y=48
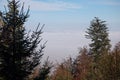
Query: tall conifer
x=98 y=33
x=20 y=51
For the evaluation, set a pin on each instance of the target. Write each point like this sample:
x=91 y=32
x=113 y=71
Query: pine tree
x=44 y=71
x=19 y=52
x=98 y=33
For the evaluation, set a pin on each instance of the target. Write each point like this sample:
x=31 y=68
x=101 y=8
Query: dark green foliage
x=19 y=54
x=44 y=71
x=98 y=33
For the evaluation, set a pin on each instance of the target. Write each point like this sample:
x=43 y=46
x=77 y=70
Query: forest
x=21 y=51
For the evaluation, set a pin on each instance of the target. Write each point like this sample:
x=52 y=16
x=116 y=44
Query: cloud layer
x=64 y=44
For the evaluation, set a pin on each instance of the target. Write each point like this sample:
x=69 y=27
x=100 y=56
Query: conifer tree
x=98 y=33
x=44 y=71
x=20 y=52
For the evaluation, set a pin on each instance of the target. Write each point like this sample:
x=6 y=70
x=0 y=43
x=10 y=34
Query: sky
x=67 y=20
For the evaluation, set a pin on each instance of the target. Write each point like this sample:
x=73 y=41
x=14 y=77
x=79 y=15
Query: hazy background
x=67 y=20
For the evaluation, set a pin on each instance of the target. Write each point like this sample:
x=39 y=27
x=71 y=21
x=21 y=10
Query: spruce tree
x=20 y=51
x=98 y=33
x=44 y=71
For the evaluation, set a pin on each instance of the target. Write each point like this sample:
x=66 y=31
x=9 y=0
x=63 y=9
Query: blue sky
x=71 y=14
x=66 y=22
